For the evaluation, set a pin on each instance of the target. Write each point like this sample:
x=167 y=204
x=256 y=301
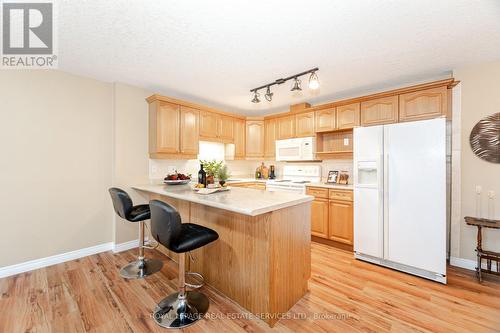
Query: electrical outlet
x=491 y=194
x=346 y=141
x=479 y=189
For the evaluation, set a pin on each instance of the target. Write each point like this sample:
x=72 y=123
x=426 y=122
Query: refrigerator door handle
x=386 y=206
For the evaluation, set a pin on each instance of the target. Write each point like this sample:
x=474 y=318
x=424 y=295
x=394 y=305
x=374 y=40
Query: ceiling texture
x=214 y=52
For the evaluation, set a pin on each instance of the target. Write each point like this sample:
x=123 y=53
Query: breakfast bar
x=262 y=259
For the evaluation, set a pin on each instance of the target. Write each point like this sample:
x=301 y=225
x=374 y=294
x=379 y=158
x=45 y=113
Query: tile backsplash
x=159 y=168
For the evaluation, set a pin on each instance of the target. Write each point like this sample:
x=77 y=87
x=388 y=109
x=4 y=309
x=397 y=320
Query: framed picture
x=343 y=178
x=332 y=177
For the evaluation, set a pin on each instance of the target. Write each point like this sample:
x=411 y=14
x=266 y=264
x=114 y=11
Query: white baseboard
x=125 y=246
x=63 y=257
x=469 y=264
x=55 y=259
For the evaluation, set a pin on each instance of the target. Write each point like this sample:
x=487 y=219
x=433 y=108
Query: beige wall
x=55 y=164
x=480 y=96
x=131 y=163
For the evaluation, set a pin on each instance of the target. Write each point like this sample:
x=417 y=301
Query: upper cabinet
x=216 y=127
x=255 y=138
x=226 y=128
x=286 y=127
x=164 y=127
x=304 y=124
x=325 y=120
x=208 y=125
x=189 y=130
x=270 y=138
x=348 y=116
x=239 y=138
x=380 y=111
x=173 y=130
x=424 y=104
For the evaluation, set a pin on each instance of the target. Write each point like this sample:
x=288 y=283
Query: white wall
x=130 y=156
x=55 y=164
x=480 y=97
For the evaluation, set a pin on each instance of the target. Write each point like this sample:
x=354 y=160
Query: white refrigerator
x=400 y=196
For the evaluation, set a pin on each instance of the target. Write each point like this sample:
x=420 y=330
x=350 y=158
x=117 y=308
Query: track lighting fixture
x=313 y=81
x=313 y=85
x=256 y=97
x=269 y=94
x=296 y=85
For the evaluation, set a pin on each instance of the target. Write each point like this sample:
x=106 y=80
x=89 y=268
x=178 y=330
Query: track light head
x=269 y=94
x=256 y=97
x=313 y=81
x=296 y=85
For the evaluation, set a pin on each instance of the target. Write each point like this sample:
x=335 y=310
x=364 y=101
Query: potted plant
x=223 y=175
x=212 y=169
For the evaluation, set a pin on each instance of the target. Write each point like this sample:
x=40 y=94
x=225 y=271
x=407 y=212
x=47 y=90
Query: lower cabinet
x=332 y=215
x=340 y=221
x=319 y=218
x=255 y=185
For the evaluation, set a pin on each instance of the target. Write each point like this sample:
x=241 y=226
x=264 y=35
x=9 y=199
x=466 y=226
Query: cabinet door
x=425 y=104
x=304 y=124
x=226 y=128
x=325 y=120
x=286 y=127
x=270 y=138
x=255 y=138
x=319 y=218
x=348 y=116
x=380 y=111
x=208 y=124
x=340 y=226
x=167 y=128
x=189 y=130
x=239 y=138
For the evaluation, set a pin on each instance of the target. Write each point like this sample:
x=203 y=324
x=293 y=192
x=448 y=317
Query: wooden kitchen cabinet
x=380 y=111
x=286 y=127
x=209 y=125
x=239 y=138
x=340 y=221
x=424 y=104
x=189 y=130
x=319 y=217
x=325 y=120
x=173 y=130
x=332 y=215
x=225 y=130
x=164 y=127
x=304 y=124
x=270 y=138
x=347 y=116
x=255 y=138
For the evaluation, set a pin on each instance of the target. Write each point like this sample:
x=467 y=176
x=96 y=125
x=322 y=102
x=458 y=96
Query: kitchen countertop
x=332 y=186
x=245 y=201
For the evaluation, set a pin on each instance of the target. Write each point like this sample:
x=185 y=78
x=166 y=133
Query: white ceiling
x=214 y=52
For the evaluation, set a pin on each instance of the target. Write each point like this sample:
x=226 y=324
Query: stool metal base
x=138 y=270
x=175 y=312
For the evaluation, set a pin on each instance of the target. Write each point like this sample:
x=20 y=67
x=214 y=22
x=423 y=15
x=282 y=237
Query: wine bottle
x=202 y=176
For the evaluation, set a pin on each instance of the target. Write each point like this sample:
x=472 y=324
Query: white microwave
x=300 y=149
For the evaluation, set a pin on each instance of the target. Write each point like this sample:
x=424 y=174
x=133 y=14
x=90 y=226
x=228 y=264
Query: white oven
x=299 y=149
x=295 y=178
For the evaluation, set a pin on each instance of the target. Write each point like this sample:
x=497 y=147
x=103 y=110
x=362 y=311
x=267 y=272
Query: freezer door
x=415 y=194
x=368 y=190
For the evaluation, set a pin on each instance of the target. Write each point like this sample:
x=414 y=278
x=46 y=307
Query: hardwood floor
x=88 y=295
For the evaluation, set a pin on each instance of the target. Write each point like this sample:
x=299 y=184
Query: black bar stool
x=183 y=308
x=125 y=209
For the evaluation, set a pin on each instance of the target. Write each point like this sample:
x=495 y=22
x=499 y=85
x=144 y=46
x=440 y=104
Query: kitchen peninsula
x=262 y=259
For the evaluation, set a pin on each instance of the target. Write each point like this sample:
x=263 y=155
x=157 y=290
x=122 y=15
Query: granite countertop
x=332 y=186
x=239 y=200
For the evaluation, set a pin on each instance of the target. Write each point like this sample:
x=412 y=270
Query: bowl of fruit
x=177 y=179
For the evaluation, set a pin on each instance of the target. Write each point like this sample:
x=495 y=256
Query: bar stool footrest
x=196 y=280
